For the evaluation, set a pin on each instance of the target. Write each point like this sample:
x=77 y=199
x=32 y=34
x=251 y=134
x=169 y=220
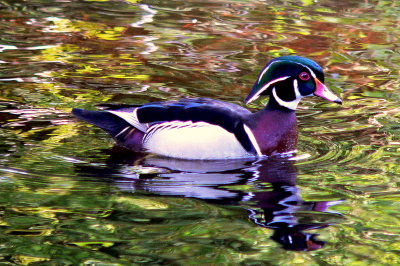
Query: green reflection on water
x=56 y=56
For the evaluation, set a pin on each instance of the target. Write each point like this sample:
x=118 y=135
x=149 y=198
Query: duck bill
x=325 y=93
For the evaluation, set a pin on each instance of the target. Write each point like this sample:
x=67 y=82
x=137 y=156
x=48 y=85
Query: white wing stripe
x=131 y=118
x=122 y=131
x=170 y=125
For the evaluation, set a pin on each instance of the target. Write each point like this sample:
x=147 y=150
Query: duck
x=211 y=129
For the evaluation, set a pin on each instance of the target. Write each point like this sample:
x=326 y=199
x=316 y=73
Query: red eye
x=304 y=76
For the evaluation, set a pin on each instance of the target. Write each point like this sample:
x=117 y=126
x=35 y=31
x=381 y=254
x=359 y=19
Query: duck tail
x=109 y=122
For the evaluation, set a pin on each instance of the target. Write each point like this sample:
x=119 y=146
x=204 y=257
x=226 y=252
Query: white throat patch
x=292 y=105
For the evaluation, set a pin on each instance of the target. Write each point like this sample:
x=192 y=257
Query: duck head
x=287 y=79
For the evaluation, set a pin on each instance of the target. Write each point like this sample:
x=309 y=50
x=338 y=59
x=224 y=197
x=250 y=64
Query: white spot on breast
x=188 y=140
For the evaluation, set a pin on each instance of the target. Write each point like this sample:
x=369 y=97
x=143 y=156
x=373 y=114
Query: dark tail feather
x=113 y=124
x=124 y=133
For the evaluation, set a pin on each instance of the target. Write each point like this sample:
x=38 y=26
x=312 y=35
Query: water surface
x=68 y=197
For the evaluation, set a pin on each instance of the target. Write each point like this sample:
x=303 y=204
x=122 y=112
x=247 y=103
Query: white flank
x=132 y=119
x=188 y=140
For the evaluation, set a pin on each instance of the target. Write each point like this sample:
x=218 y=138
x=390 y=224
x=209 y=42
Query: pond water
x=69 y=197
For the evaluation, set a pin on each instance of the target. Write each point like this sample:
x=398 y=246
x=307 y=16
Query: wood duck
x=209 y=129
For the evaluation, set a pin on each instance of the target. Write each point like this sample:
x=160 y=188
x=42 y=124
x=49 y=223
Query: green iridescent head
x=288 y=79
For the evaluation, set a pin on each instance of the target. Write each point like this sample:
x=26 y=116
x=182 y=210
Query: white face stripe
x=296 y=89
x=265 y=87
x=266 y=69
x=309 y=69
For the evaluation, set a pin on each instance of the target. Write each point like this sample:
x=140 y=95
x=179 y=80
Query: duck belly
x=188 y=140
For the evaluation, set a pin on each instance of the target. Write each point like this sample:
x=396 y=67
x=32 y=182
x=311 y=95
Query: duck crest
x=288 y=79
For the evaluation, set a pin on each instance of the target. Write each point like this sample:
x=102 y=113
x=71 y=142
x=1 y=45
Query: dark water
x=68 y=197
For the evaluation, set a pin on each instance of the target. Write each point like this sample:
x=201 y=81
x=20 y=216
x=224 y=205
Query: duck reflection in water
x=276 y=205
